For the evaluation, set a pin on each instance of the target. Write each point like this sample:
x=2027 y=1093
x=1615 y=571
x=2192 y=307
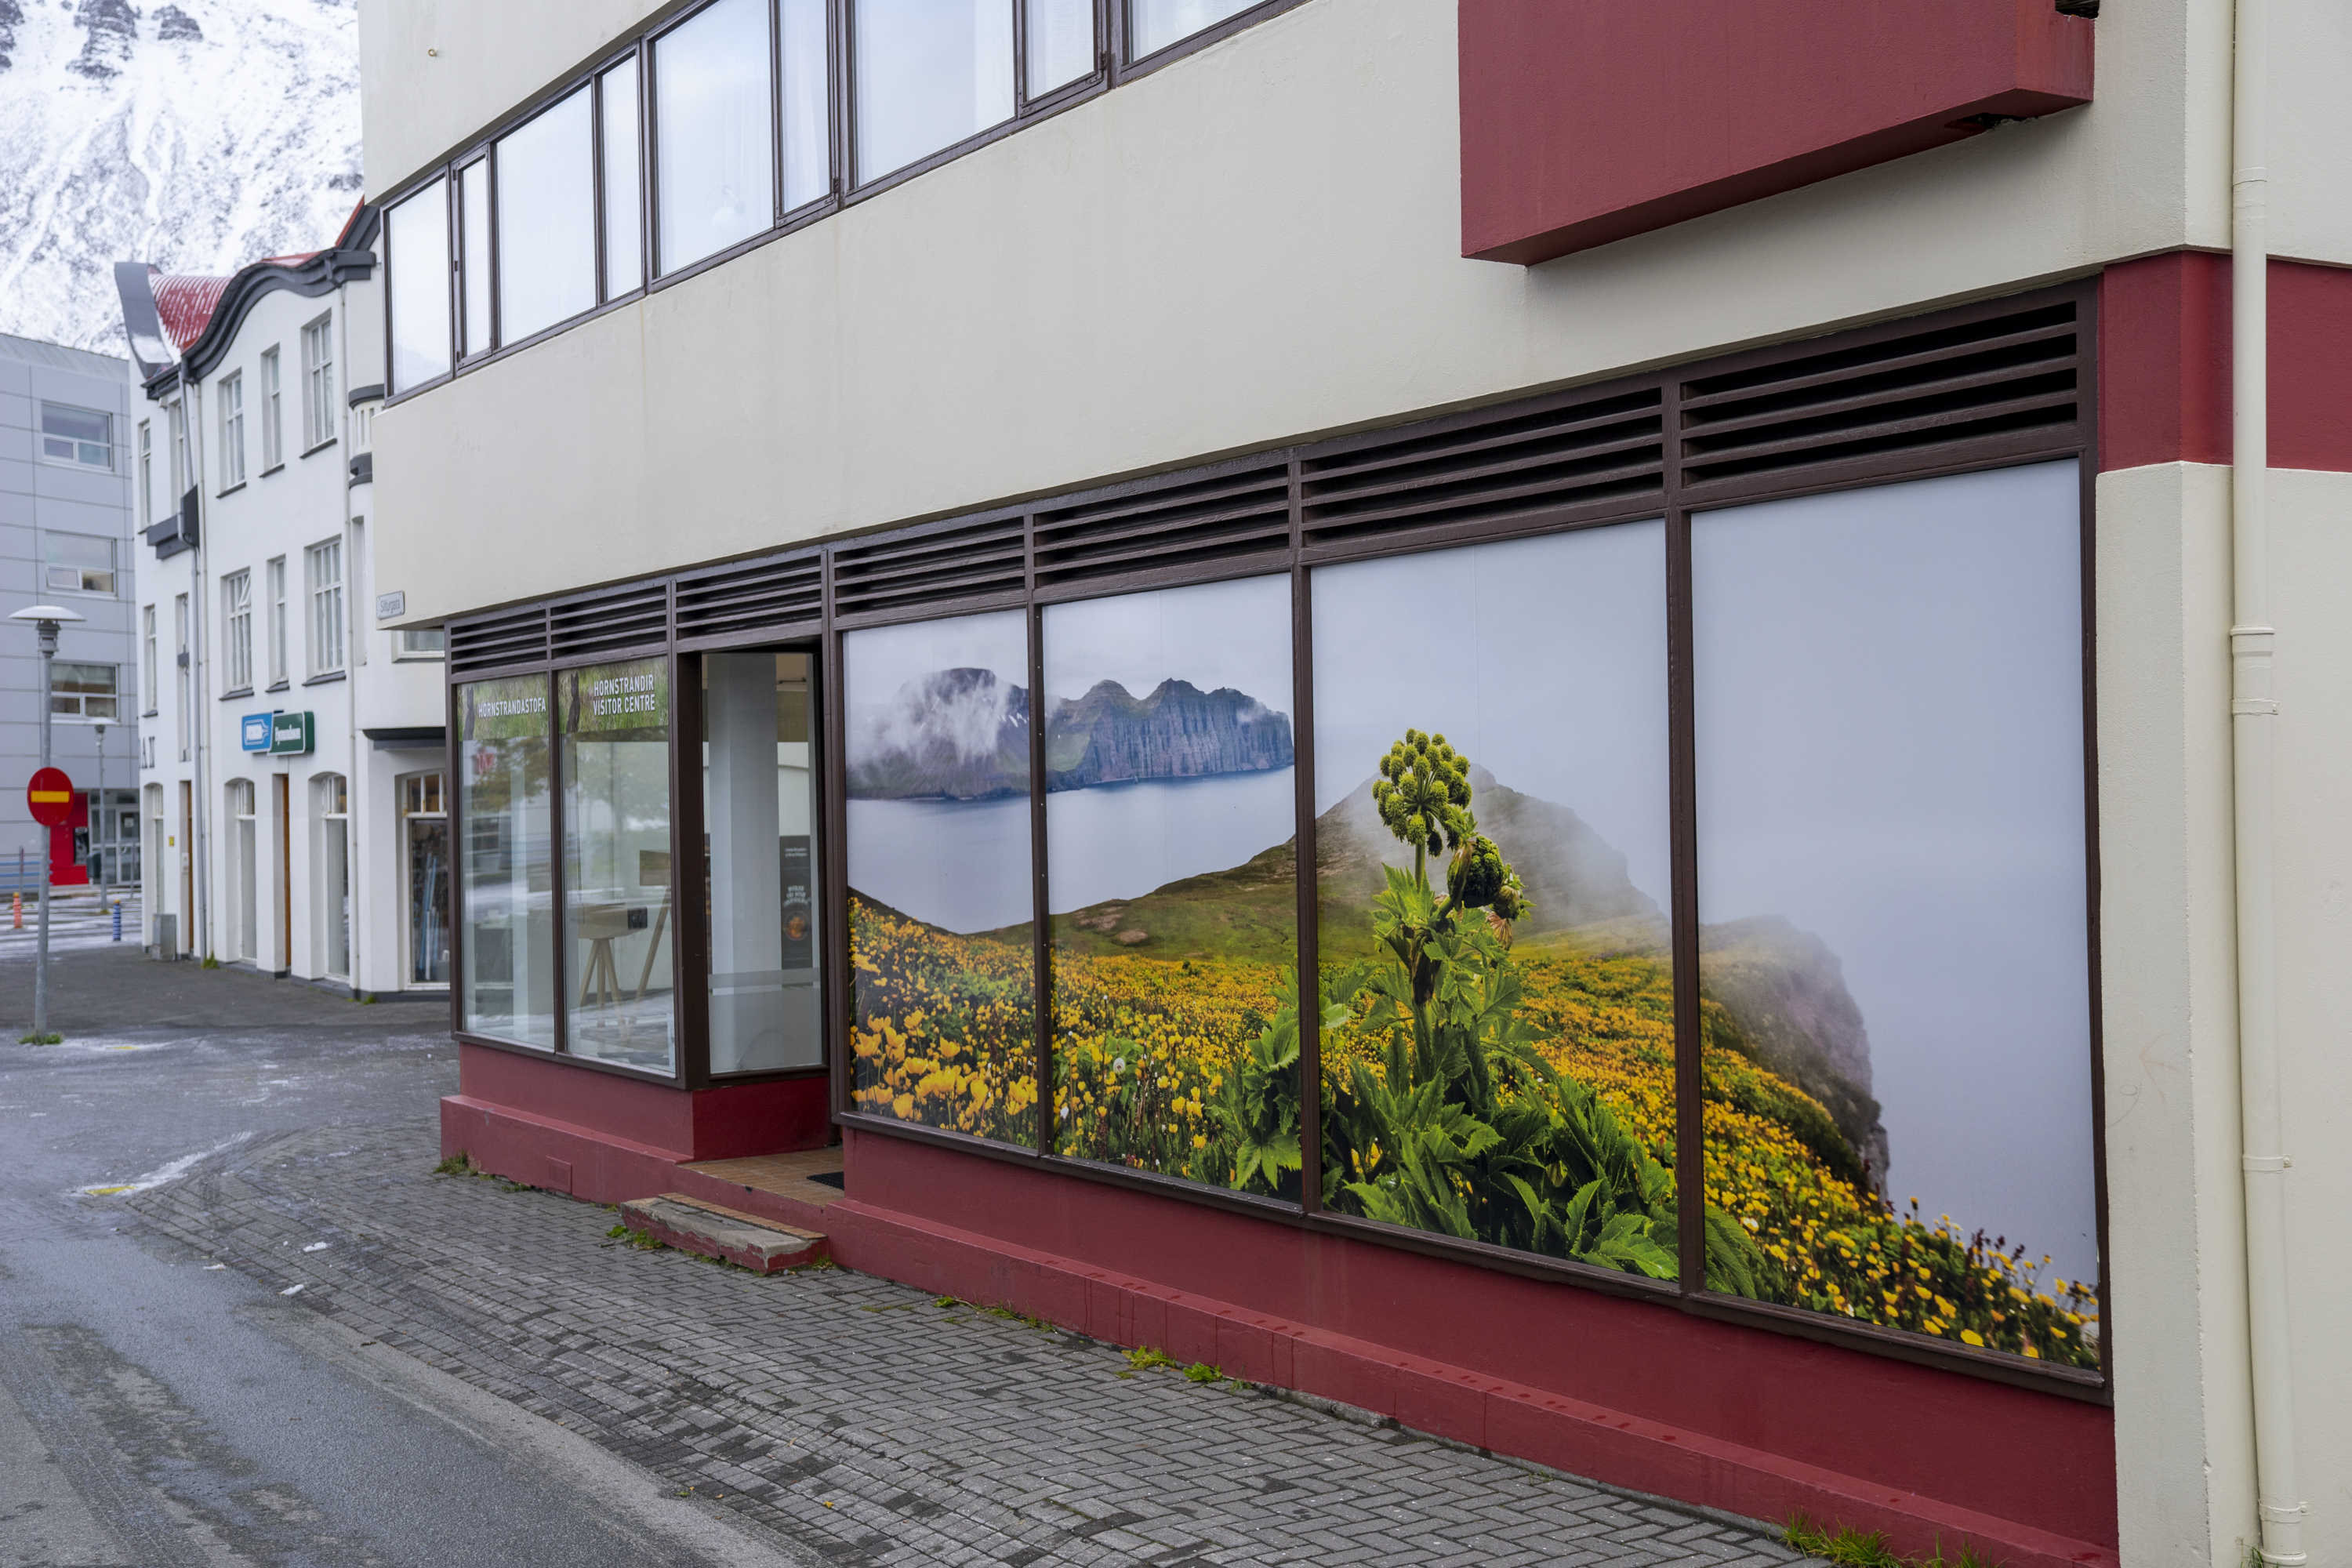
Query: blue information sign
x=253 y=732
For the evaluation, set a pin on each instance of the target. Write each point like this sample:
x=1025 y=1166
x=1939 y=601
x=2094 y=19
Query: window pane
x=759 y=783
x=547 y=220
x=940 y=898
x=624 y=258
x=1156 y=24
x=616 y=871
x=1890 y=815
x=76 y=424
x=473 y=235
x=418 y=243
x=808 y=104
x=929 y=73
x=1172 y=828
x=717 y=144
x=1061 y=43
x=504 y=865
x=1505 y=1066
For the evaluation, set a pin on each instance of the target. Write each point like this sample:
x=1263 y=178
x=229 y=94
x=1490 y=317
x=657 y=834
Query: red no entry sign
x=50 y=795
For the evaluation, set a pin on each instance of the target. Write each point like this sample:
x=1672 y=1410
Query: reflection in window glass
x=1171 y=835
x=616 y=862
x=1494 y=853
x=758 y=797
x=474 y=263
x=547 y=220
x=1889 y=730
x=624 y=259
x=929 y=73
x=715 y=141
x=1155 y=24
x=1061 y=44
x=416 y=244
x=506 y=943
x=808 y=104
x=940 y=902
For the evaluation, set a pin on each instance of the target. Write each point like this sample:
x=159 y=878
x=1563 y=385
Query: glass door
x=425 y=832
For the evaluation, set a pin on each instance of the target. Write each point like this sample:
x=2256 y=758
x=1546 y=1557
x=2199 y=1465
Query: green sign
x=289 y=735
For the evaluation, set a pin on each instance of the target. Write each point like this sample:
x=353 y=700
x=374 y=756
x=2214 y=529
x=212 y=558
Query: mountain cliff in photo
x=964 y=734
x=199 y=135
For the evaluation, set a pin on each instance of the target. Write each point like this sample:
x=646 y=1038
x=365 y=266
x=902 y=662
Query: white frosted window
x=714 y=137
x=1153 y=25
x=808 y=104
x=624 y=255
x=474 y=237
x=416 y=240
x=1061 y=43
x=929 y=73
x=547 y=220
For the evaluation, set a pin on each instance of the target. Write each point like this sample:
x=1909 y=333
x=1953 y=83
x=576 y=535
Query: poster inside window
x=1892 y=875
x=1171 y=857
x=619 y=920
x=941 y=905
x=504 y=861
x=1493 y=861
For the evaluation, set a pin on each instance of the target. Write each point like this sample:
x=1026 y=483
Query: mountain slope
x=199 y=135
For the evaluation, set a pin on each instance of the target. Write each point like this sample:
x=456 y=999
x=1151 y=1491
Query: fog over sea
x=963 y=865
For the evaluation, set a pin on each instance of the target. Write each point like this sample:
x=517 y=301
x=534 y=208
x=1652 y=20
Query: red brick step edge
x=761 y=1246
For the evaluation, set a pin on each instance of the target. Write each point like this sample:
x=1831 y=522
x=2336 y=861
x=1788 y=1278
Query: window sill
x=149 y=713
x=241 y=692
x=230 y=491
x=327 y=679
x=275 y=686
x=313 y=451
x=273 y=469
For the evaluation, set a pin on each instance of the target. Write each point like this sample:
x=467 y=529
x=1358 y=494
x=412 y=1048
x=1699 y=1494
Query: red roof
x=185 y=302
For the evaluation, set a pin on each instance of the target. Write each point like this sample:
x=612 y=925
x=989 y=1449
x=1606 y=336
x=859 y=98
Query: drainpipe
x=200 y=720
x=2254 y=727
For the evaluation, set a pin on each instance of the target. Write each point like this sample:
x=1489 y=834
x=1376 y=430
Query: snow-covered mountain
x=197 y=134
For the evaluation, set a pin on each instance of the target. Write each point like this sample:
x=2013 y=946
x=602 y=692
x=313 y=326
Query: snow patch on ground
x=172 y=1171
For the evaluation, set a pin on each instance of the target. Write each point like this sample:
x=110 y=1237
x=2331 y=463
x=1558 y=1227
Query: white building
x=289 y=760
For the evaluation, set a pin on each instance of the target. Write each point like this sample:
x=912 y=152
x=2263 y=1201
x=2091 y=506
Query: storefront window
x=505 y=870
x=1493 y=853
x=1891 y=873
x=941 y=900
x=1172 y=827
x=760 y=795
x=615 y=723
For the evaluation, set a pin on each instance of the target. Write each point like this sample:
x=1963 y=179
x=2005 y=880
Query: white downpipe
x=2253 y=728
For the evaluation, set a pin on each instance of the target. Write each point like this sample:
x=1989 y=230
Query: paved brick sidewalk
x=857 y=1419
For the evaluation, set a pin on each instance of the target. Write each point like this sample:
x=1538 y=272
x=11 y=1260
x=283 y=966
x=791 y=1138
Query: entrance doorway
x=187 y=866
x=281 y=788
x=425 y=836
x=243 y=927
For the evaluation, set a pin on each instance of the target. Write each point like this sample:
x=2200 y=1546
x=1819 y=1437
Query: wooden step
x=691 y=1225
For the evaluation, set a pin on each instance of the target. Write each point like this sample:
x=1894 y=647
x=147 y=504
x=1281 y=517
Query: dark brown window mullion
x=775 y=113
x=596 y=174
x=452 y=799
x=560 y=966
x=845 y=65
x=689 y=873
x=1681 y=791
x=836 y=80
x=648 y=149
x=1308 y=942
x=1041 y=927
x=839 y=1001
x=2088 y=326
x=454 y=207
x=1114 y=41
x=1020 y=61
x=490 y=236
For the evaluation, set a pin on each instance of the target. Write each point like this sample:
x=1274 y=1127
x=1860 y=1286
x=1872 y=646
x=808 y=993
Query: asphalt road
x=156 y=1409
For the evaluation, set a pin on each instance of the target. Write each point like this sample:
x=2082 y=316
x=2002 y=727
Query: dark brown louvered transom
x=609 y=622
x=1902 y=392
x=1564 y=456
x=936 y=566
x=1228 y=514
x=495 y=641
x=748 y=597
x=1991 y=383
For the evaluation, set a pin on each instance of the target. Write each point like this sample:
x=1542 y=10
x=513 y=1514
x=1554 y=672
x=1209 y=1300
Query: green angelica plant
x=1462 y=1126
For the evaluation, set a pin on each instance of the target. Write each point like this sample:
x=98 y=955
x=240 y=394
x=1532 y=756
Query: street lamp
x=46 y=619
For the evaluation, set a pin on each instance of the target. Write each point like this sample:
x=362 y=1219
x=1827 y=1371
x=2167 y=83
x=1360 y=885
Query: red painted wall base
x=1632 y=1393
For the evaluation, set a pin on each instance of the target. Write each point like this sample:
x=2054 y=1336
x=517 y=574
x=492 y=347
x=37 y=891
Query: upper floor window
x=325 y=564
x=147 y=687
x=146 y=476
x=273 y=422
x=928 y=77
x=1153 y=25
x=232 y=430
x=83 y=436
x=77 y=562
x=423 y=642
x=476 y=328
x=714 y=132
x=319 y=383
x=83 y=690
x=547 y=220
x=617 y=124
x=183 y=472
x=416 y=246
x=277 y=624
x=236 y=629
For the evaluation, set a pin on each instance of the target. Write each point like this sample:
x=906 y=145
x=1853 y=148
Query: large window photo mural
x=943 y=964
x=1892 y=863
x=1171 y=868
x=1493 y=861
